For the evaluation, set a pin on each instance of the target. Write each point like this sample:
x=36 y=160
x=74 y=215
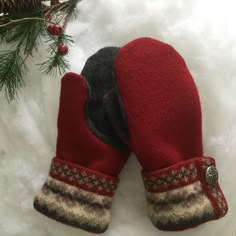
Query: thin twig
x=11 y=22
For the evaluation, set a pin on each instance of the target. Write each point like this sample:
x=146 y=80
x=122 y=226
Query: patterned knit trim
x=181 y=208
x=179 y=188
x=83 y=178
x=181 y=174
x=73 y=206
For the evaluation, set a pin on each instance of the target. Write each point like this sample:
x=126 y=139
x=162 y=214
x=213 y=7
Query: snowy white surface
x=203 y=32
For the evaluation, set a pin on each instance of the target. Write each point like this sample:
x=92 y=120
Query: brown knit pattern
x=10 y=6
x=73 y=206
x=179 y=197
x=180 y=208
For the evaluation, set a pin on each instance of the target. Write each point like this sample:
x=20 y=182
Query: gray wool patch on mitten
x=98 y=72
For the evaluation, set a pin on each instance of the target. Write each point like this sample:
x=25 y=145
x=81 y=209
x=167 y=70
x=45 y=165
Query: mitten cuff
x=77 y=196
x=184 y=195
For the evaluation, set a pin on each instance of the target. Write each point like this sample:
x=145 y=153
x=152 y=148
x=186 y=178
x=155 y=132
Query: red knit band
x=178 y=175
x=186 y=173
x=83 y=178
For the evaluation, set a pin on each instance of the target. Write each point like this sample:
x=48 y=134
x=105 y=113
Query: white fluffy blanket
x=203 y=31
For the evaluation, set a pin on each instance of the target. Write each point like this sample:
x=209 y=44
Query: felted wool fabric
x=163 y=116
x=203 y=32
x=98 y=72
x=84 y=173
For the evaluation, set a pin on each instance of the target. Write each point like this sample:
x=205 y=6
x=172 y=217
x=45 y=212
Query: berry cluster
x=57 y=30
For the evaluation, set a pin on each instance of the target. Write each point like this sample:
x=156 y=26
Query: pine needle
x=12 y=71
x=56 y=62
x=24 y=30
x=27 y=35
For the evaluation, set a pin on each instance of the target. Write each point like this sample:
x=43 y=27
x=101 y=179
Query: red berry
x=57 y=29
x=50 y=29
x=54 y=29
x=62 y=49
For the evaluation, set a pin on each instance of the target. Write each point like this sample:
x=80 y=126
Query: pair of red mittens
x=153 y=106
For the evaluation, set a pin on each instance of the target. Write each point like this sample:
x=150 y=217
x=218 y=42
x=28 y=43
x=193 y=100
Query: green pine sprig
x=12 y=72
x=25 y=31
x=27 y=35
x=24 y=38
x=56 y=62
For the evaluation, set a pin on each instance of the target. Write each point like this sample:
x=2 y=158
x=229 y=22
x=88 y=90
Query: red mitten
x=83 y=175
x=163 y=114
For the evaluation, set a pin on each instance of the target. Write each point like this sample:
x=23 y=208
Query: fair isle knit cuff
x=184 y=195
x=77 y=196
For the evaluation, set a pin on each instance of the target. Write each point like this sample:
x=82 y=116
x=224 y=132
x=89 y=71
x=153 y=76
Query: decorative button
x=211 y=176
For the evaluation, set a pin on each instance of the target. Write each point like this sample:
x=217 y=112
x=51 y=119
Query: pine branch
x=27 y=35
x=55 y=64
x=24 y=29
x=56 y=61
x=12 y=72
x=6 y=33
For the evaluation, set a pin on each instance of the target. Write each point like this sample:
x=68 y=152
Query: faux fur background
x=203 y=31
